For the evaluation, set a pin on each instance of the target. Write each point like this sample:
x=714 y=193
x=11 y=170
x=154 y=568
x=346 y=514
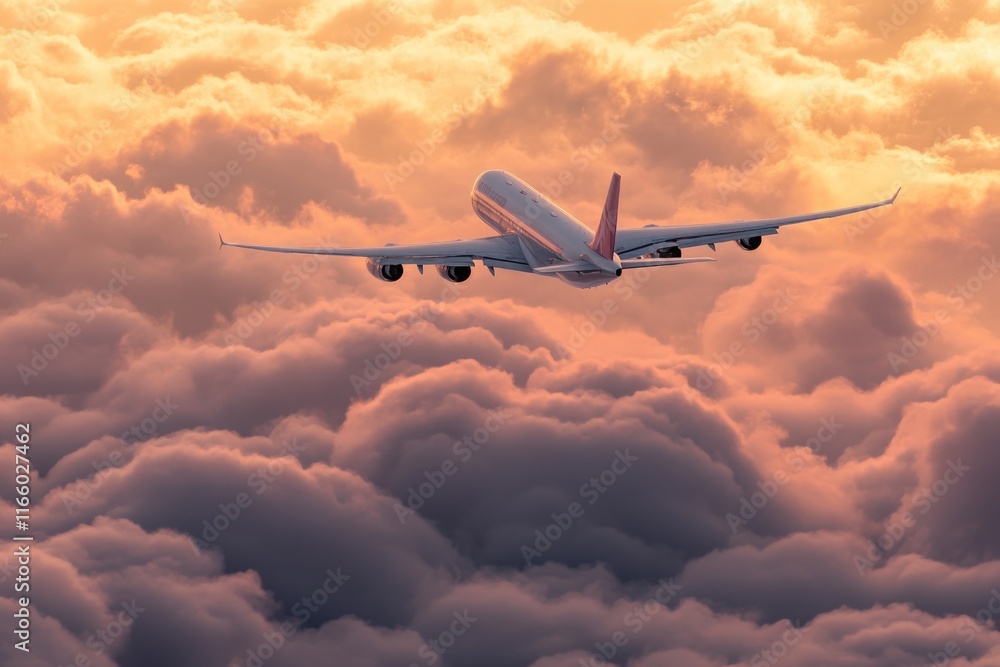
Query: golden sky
x=857 y=358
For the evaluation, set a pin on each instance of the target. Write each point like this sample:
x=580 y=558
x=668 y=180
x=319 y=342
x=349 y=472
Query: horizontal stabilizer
x=567 y=267
x=639 y=263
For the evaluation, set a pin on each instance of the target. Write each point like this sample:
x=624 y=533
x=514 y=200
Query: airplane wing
x=644 y=240
x=494 y=251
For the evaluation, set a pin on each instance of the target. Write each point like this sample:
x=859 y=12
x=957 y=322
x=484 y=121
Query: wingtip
x=893 y=200
x=221 y=242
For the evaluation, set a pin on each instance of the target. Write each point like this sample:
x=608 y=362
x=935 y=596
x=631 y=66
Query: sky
x=784 y=457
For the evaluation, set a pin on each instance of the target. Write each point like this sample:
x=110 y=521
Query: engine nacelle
x=454 y=274
x=749 y=243
x=672 y=251
x=389 y=273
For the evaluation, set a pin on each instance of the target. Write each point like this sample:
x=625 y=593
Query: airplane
x=534 y=235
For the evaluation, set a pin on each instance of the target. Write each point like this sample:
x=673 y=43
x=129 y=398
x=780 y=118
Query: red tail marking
x=604 y=240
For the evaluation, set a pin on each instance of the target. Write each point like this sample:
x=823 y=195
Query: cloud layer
x=265 y=460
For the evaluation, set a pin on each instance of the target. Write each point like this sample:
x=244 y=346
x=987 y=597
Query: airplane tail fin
x=604 y=240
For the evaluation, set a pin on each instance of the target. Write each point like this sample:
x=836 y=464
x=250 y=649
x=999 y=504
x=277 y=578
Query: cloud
x=255 y=506
x=846 y=325
x=246 y=168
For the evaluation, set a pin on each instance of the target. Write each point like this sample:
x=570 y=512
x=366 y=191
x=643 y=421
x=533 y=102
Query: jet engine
x=454 y=274
x=389 y=273
x=672 y=251
x=749 y=243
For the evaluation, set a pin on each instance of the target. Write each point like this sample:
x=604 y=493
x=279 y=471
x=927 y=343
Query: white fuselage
x=547 y=233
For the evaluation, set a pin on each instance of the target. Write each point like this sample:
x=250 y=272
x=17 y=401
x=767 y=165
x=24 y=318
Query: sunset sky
x=788 y=456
